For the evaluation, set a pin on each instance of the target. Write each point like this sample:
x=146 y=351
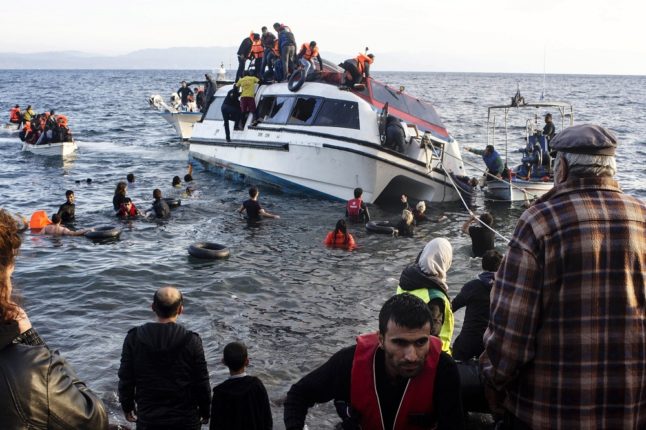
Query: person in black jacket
x=38 y=388
x=243 y=54
x=67 y=209
x=184 y=91
x=384 y=374
x=163 y=379
x=160 y=207
x=475 y=296
x=482 y=237
x=231 y=111
x=240 y=402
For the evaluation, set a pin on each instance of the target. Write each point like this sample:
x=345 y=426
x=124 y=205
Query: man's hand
x=404 y=198
x=131 y=417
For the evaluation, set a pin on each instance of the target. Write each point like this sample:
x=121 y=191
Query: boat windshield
x=405 y=103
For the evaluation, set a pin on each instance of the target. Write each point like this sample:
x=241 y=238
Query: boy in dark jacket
x=240 y=402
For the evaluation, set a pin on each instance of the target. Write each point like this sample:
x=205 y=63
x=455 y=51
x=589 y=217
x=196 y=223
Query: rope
x=448 y=175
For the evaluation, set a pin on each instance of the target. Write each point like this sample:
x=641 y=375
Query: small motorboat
x=60 y=149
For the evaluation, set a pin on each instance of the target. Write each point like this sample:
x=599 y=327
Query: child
x=128 y=209
x=240 y=402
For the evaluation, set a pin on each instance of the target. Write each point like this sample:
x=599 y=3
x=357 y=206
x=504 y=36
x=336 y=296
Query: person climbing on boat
x=482 y=238
x=492 y=159
x=406 y=225
x=67 y=210
x=15 y=116
x=356 y=209
x=357 y=69
x=243 y=55
x=200 y=98
x=56 y=229
x=231 y=111
x=267 y=38
x=395 y=134
x=339 y=237
x=247 y=86
x=549 y=130
x=306 y=56
x=254 y=211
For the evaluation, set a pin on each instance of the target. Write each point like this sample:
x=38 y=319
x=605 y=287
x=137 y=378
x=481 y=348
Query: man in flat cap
x=566 y=342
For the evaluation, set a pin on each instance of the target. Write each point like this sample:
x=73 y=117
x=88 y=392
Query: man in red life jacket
x=356 y=209
x=15 y=116
x=395 y=379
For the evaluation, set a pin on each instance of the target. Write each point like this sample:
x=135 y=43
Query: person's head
x=28 y=107
x=491 y=260
x=486 y=218
x=188 y=177
x=189 y=191
x=473 y=182
x=489 y=149
x=168 y=302
x=157 y=194
x=584 y=151
x=176 y=181
x=127 y=202
x=407 y=216
x=256 y=36
x=436 y=258
x=421 y=206
x=341 y=227
x=253 y=192
x=130 y=178
x=548 y=117
x=277 y=26
x=56 y=219
x=235 y=356
x=52 y=112
x=17 y=106
x=263 y=29
x=371 y=56
x=404 y=330
x=358 y=192
x=10 y=242
x=121 y=188
x=69 y=195
x=312 y=44
x=183 y=84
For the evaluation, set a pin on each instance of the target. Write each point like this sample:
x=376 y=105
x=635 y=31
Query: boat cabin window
x=405 y=103
x=338 y=113
x=275 y=109
x=215 y=110
x=304 y=110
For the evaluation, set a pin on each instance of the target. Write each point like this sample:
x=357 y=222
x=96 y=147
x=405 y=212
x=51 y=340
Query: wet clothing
x=340 y=240
x=161 y=209
x=252 y=208
x=125 y=213
x=567 y=332
x=66 y=212
x=405 y=230
x=332 y=381
x=163 y=372
x=184 y=92
x=247 y=104
x=117 y=201
x=482 y=240
x=357 y=211
x=39 y=389
x=475 y=296
x=240 y=403
x=231 y=111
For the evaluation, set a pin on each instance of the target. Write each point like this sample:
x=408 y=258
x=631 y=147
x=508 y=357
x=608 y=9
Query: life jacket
x=14 y=115
x=418 y=395
x=361 y=59
x=256 y=49
x=338 y=240
x=276 y=49
x=309 y=52
x=354 y=208
x=61 y=120
x=39 y=220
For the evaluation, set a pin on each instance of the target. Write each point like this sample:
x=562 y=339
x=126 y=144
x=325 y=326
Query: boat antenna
x=544 y=56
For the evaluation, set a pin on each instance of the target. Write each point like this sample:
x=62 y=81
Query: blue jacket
x=494 y=162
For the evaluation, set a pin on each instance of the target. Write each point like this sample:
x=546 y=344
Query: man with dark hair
x=566 y=342
x=268 y=40
x=131 y=179
x=475 y=296
x=492 y=160
x=549 y=130
x=163 y=379
x=482 y=237
x=254 y=212
x=356 y=209
x=160 y=207
x=67 y=209
x=396 y=378
x=183 y=92
x=240 y=402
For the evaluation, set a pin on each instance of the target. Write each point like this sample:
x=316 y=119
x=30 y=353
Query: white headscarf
x=436 y=258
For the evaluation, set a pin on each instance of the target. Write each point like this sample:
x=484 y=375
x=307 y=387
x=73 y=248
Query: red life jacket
x=256 y=49
x=418 y=396
x=14 y=115
x=339 y=240
x=354 y=208
x=361 y=60
x=308 y=52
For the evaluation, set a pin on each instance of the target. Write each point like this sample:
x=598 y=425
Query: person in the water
x=66 y=210
x=56 y=229
x=254 y=212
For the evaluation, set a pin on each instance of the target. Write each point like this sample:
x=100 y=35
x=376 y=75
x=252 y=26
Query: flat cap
x=585 y=139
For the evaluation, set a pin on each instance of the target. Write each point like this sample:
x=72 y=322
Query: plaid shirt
x=567 y=332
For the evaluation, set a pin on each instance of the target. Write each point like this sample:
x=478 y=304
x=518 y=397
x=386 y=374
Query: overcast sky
x=562 y=36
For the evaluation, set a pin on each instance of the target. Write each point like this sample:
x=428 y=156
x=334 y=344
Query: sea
x=292 y=301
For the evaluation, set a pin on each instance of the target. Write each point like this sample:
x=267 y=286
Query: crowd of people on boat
x=40 y=129
x=409 y=373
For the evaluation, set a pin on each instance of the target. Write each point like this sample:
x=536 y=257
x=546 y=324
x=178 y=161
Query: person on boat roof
x=268 y=39
x=340 y=238
x=549 y=130
x=357 y=69
x=307 y=53
x=243 y=54
x=492 y=160
x=256 y=54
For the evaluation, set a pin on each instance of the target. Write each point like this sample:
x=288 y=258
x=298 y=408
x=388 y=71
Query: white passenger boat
x=60 y=149
x=533 y=177
x=326 y=140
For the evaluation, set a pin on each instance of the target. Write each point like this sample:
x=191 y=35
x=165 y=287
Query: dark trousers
x=230 y=113
x=354 y=71
x=242 y=62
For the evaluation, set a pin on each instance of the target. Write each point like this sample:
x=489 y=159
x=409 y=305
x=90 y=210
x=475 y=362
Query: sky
x=515 y=36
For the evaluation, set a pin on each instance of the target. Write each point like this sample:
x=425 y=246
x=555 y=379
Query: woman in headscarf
x=426 y=279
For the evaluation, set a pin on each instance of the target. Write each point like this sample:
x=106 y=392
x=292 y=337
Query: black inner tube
x=296 y=80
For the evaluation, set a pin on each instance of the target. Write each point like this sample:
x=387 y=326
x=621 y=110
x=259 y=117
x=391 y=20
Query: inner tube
x=105 y=232
x=382 y=227
x=172 y=202
x=208 y=250
x=296 y=80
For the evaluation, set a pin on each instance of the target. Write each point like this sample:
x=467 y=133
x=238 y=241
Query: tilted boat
x=533 y=177
x=325 y=139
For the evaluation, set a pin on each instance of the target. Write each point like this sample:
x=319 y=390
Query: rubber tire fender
x=296 y=80
x=381 y=227
x=105 y=232
x=208 y=250
x=172 y=202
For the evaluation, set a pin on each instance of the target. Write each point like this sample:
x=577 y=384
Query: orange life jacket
x=14 y=114
x=26 y=126
x=417 y=398
x=39 y=220
x=309 y=53
x=276 y=49
x=61 y=120
x=361 y=58
x=338 y=240
x=256 y=49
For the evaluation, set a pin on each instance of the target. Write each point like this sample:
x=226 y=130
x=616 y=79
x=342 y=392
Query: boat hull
x=182 y=122
x=519 y=190
x=60 y=149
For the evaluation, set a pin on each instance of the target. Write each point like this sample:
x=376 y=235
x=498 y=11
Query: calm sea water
x=291 y=300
